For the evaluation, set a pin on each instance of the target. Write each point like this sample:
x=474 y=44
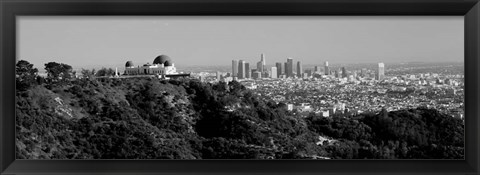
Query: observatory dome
x=161 y=59
x=129 y=64
x=168 y=63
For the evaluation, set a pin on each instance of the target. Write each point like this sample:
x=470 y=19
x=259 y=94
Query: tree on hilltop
x=25 y=75
x=88 y=73
x=105 y=72
x=57 y=71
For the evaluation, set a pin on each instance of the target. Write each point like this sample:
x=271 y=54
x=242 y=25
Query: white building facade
x=162 y=65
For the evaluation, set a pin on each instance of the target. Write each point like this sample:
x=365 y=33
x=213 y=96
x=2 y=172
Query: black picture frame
x=9 y=9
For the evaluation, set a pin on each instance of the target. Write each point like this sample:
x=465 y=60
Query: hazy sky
x=189 y=40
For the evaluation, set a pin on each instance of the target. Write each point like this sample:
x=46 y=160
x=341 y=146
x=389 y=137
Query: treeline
x=145 y=118
x=56 y=72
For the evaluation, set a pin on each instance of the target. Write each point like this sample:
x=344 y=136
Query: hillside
x=145 y=118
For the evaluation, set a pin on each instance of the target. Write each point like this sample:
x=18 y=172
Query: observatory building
x=162 y=65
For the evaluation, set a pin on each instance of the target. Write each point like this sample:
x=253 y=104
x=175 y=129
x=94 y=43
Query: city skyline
x=216 y=40
x=268 y=104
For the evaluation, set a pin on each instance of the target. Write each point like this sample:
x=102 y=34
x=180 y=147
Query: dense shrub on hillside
x=413 y=133
x=150 y=118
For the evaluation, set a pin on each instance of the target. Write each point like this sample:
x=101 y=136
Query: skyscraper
x=234 y=68
x=309 y=72
x=316 y=69
x=241 y=69
x=285 y=71
x=247 y=70
x=299 y=69
x=344 y=72
x=256 y=75
x=262 y=59
x=218 y=76
x=289 y=67
x=380 y=72
x=327 y=70
x=260 y=67
x=279 y=68
x=274 y=72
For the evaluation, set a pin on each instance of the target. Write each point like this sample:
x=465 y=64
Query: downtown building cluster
x=243 y=70
x=330 y=90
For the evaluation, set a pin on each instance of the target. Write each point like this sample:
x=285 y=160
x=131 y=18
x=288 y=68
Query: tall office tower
x=257 y=75
x=380 y=72
x=260 y=67
x=299 y=69
x=218 y=76
x=316 y=69
x=289 y=68
x=274 y=72
x=252 y=71
x=262 y=59
x=241 y=69
x=234 y=68
x=285 y=71
x=247 y=71
x=279 y=68
x=337 y=74
x=327 y=70
x=344 y=72
x=309 y=72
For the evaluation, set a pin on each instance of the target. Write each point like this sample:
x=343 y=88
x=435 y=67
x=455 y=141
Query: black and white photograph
x=240 y=87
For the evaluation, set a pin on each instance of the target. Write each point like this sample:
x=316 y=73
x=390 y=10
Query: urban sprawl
x=329 y=91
